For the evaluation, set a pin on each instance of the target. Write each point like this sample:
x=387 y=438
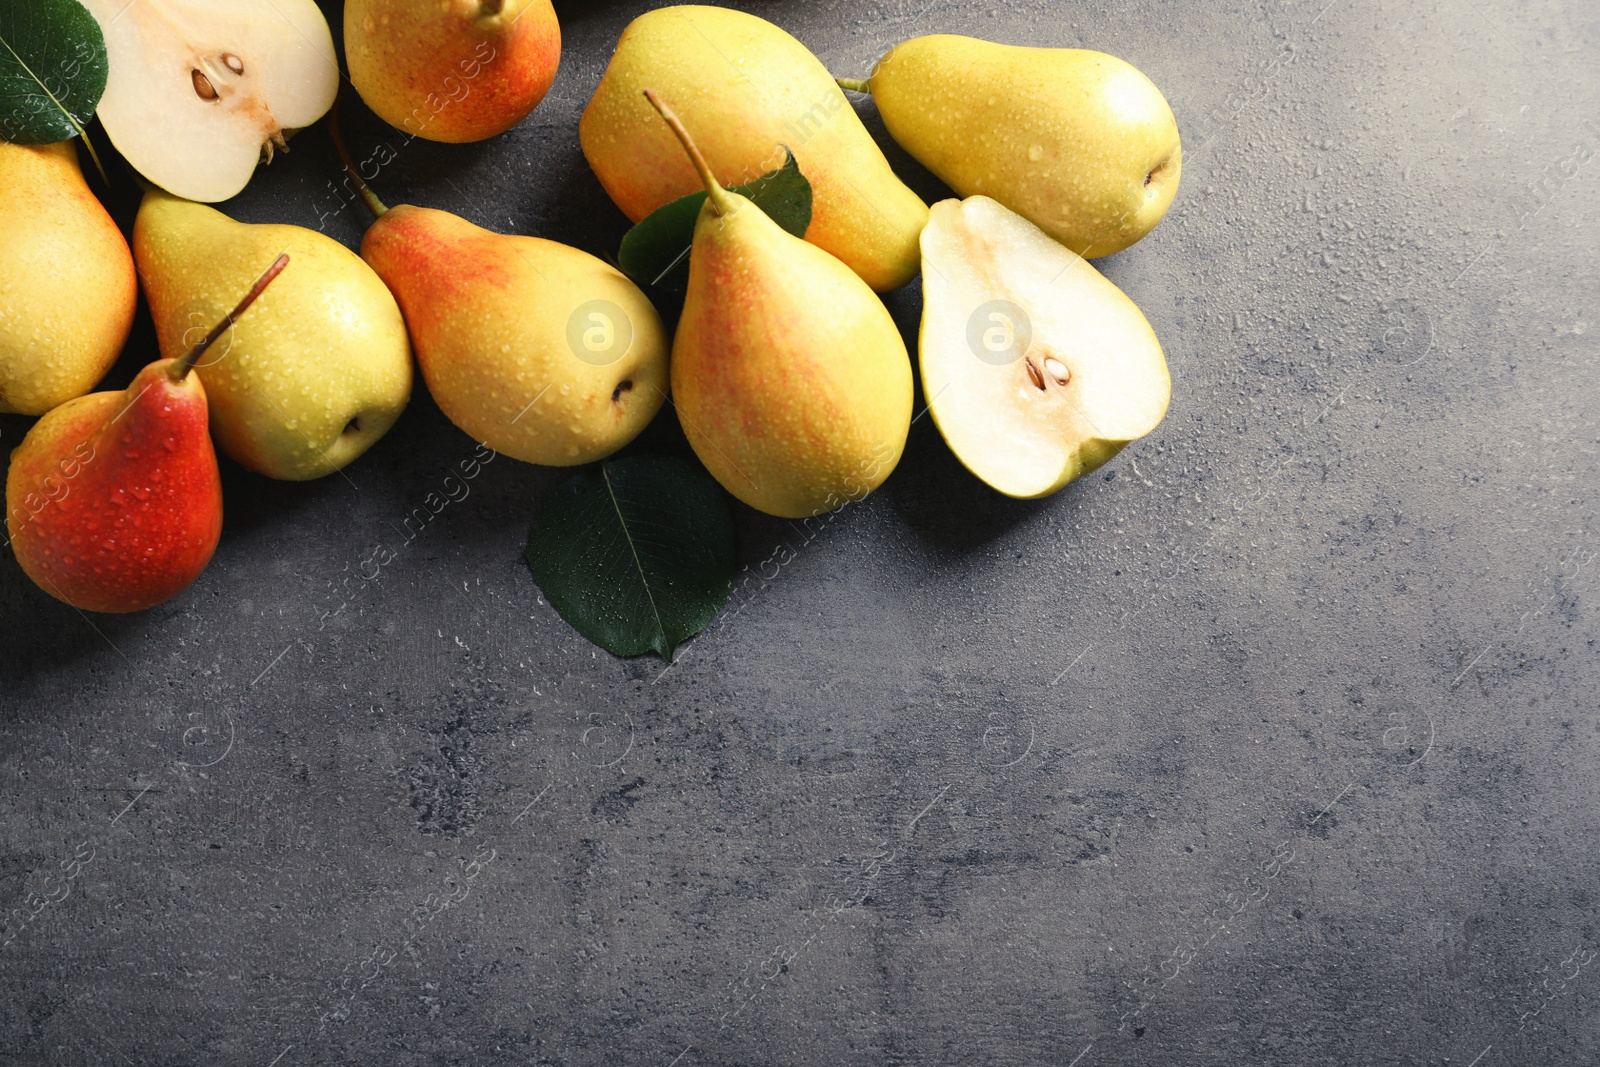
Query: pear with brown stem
x=535 y=348
x=113 y=500
x=790 y=378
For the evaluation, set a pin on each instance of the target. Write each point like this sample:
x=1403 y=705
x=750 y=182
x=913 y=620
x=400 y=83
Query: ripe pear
x=452 y=70
x=749 y=90
x=198 y=90
x=67 y=286
x=534 y=348
x=1037 y=368
x=113 y=500
x=315 y=375
x=790 y=378
x=1078 y=142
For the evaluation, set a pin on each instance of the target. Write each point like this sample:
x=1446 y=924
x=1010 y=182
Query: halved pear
x=198 y=90
x=1037 y=369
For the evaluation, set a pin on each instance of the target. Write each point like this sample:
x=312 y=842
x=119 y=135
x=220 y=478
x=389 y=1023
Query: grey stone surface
x=1273 y=743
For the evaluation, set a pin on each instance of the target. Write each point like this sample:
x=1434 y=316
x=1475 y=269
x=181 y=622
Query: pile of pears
x=790 y=379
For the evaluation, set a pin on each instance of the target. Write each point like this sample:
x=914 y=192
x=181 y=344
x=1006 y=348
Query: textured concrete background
x=1273 y=743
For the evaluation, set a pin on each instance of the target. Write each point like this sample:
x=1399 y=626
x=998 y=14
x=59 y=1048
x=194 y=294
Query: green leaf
x=52 y=70
x=637 y=554
x=656 y=251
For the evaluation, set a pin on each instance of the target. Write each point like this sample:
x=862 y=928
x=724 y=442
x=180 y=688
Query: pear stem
x=722 y=201
x=181 y=366
x=336 y=133
x=855 y=85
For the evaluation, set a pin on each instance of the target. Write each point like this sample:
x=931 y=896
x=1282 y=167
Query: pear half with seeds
x=1037 y=369
x=198 y=91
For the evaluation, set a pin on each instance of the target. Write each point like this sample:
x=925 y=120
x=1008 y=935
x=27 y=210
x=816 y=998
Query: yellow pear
x=535 y=348
x=790 y=378
x=750 y=90
x=1037 y=368
x=1078 y=142
x=67 y=286
x=319 y=370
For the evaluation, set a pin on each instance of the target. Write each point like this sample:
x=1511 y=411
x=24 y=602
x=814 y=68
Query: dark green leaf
x=636 y=554
x=52 y=70
x=656 y=251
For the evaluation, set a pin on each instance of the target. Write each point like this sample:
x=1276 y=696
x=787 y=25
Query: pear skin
x=1078 y=142
x=67 y=284
x=535 y=348
x=748 y=89
x=113 y=500
x=319 y=370
x=789 y=376
x=452 y=70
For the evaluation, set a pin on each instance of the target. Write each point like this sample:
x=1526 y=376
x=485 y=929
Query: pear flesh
x=67 y=286
x=535 y=348
x=1077 y=141
x=1037 y=369
x=199 y=90
x=321 y=367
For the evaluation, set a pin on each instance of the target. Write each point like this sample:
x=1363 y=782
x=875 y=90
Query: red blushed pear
x=536 y=349
x=113 y=500
x=452 y=70
x=539 y=350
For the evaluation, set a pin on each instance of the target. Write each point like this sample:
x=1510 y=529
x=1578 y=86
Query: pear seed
x=202 y=86
x=1058 y=370
x=1033 y=372
x=233 y=62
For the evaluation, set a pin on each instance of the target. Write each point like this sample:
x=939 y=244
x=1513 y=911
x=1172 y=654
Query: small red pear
x=113 y=500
